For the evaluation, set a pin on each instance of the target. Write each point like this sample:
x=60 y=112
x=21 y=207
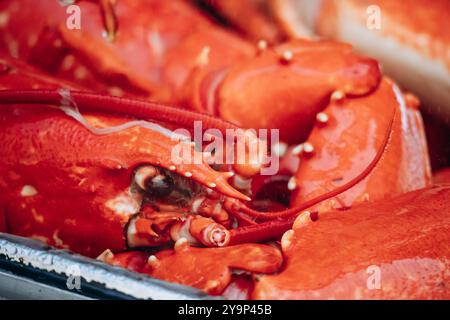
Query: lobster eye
x=154 y=182
x=159 y=186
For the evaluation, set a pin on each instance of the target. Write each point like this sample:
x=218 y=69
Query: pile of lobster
x=90 y=116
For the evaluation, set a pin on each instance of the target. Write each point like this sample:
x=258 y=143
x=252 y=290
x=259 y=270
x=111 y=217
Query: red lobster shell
x=103 y=181
x=191 y=62
x=92 y=194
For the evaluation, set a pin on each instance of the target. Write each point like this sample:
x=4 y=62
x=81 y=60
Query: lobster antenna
x=88 y=101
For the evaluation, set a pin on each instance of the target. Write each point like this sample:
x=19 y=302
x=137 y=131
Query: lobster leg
x=208 y=269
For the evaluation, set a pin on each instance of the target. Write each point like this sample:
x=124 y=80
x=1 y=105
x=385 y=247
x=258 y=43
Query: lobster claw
x=308 y=74
x=382 y=130
x=383 y=125
x=383 y=252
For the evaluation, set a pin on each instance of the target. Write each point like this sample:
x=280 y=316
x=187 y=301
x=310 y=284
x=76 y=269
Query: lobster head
x=115 y=172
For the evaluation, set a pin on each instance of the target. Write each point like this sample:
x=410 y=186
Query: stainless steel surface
x=36 y=256
x=15 y=287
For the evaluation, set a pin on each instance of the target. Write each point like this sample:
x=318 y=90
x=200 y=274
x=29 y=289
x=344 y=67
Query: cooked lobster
x=87 y=153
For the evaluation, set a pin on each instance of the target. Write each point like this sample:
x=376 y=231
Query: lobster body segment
x=210 y=270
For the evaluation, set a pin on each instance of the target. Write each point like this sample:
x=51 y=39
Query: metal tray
x=30 y=269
